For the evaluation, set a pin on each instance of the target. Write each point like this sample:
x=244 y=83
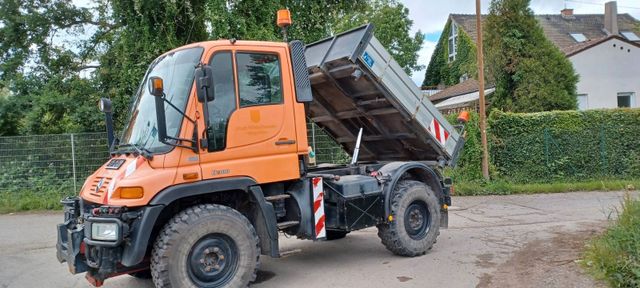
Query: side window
x=259 y=79
x=224 y=104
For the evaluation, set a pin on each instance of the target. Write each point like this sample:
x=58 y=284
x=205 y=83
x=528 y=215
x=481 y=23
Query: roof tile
x=558 y=28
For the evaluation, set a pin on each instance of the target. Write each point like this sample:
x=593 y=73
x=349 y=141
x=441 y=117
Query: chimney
x=611 y=18
x=567 y=13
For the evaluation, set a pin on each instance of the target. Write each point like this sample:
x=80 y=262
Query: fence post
x=313 y=137
x=546 y=146
x=604 y=166
x=73 y=162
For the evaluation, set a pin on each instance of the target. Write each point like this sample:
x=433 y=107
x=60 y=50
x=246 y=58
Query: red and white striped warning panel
x=318 y=207
x=438 y=131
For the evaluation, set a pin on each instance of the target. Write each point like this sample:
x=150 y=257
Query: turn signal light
x=190 y=176
x=131 y=192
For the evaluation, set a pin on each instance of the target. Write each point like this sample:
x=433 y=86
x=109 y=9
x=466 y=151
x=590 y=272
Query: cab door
x=251 y=129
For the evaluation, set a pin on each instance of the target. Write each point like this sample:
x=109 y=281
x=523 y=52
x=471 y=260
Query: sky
x=429 y=17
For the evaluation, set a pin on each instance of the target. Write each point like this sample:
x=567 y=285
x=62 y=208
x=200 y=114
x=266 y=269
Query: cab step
x=287 y=224
x=277 y=197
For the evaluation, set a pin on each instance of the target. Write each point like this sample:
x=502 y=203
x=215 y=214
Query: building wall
x=606 y=70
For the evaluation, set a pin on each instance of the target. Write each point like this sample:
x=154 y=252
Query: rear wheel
x=206 y=246
x=416 y=220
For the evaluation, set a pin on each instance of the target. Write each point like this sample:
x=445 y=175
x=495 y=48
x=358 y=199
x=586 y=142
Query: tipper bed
x=357 y=84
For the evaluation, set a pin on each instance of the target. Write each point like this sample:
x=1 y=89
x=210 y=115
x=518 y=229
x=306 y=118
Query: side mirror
x=106 y=107
x=156 y=86
x=204 y=83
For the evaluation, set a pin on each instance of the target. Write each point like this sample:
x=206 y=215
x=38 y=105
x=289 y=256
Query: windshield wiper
x=144 y=152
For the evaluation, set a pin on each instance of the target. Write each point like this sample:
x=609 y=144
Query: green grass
x=506 y=188
x=29 y=200
x=50 y=199
x=615 y=256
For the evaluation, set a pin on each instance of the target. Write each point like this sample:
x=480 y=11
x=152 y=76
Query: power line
x=599 y=4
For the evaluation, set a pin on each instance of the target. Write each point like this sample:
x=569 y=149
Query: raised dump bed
x=357 y=84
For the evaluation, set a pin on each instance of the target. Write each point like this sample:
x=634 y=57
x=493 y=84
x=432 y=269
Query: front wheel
x=206 y=246
x=416 y=220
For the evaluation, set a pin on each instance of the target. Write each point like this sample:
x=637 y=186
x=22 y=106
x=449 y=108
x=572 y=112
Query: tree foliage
x=529 y=72
x=443 y=72
x=58 y=59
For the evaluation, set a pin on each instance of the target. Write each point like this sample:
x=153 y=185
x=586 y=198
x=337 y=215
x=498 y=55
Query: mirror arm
x=164 y=98
x=192 y=147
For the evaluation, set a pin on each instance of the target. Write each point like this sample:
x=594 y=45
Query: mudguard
x=135 y=251
x=393 y=172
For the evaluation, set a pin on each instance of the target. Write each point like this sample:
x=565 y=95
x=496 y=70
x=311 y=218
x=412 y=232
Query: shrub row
x=555 y=146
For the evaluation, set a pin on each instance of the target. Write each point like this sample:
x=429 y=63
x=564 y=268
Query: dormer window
x=453 y=35
x=630 y=36
x=579 y=37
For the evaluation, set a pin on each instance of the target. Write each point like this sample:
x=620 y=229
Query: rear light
x=106 y=210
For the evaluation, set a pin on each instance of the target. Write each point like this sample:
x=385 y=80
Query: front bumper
x=70 y=238
x=104 y=259
x=101 y=259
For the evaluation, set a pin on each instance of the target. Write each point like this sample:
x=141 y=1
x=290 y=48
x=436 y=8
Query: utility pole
x=483 y=113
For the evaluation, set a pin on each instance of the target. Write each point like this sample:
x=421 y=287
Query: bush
x=615 y=256
x=565 y=145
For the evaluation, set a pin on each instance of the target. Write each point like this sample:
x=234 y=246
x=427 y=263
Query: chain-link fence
x=62 y=162
x=325 y=147
x=58 y=162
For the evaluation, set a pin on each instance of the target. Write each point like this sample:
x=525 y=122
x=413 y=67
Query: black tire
x=335 y=235
x=416 y=220
x=144 y=274
x=206 y=245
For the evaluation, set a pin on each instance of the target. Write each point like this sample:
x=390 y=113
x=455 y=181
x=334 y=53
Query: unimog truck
x=214 y=163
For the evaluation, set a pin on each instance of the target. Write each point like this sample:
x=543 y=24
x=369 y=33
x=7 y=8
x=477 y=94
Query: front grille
x=103 y=186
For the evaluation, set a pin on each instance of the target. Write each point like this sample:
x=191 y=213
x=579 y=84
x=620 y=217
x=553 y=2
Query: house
x=459 y=97
x=604 y=50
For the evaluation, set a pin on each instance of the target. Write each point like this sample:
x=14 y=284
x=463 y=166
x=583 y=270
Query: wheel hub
x=417 y=220
x=212 y=261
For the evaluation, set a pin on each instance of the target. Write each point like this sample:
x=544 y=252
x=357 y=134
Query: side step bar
x=277 y=197
x=287 y=224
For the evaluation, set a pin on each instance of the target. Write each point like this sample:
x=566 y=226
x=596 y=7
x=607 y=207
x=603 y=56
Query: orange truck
x=214 y=162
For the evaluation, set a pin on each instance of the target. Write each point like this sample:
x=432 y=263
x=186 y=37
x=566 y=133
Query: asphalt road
x=488 y=237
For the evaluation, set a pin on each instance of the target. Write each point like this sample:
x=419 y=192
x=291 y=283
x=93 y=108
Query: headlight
x=104 y=231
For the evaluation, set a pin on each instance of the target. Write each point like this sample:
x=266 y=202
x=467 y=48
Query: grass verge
x=615 y=256
x=506 y=188
x=50 y=199
x=29 y=200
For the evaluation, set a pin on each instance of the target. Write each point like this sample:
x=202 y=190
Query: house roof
x=462 y=100
x=558 y=28
x=577 y=48
x=466 y=87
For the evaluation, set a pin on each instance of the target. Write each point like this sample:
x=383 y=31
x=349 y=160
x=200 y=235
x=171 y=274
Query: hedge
x=555 y=146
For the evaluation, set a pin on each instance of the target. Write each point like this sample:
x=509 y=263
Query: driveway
x=492 y=241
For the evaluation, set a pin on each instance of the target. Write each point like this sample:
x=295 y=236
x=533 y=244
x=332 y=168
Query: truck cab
x=213 y=164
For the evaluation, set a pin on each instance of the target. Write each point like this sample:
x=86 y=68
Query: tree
x=392 y=28
x=119 y=38
x=529 y=72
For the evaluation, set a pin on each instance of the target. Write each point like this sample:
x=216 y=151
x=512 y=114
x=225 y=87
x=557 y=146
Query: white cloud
x=429 y=16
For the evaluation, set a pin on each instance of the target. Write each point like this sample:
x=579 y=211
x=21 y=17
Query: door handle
x=285 y=142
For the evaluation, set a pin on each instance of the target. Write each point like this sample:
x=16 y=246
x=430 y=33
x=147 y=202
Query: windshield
x=176 y=70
